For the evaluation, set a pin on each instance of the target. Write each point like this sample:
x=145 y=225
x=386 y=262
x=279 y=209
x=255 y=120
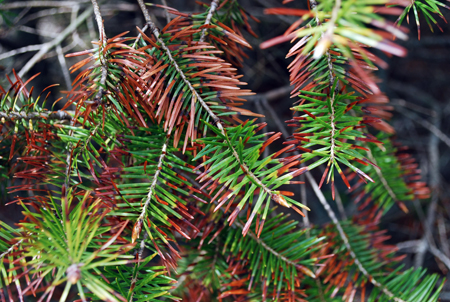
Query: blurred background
x=36 y=35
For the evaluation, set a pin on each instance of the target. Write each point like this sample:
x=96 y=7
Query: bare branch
x=166 y=12
x=440 y=255
x=412 y=106
x=17 y=51
x=260 y=110
x=38 y=32
x=427 y=239
x=22 y=4
x=64 y=69
x=416 y=245
x=432 y=128
x=271 y=95
x=139 y=35
x=212 y=9
x=75 y=36
x=410 y=244
x=443 y=235
x=99 y=19
x=10 y=249
x=47 y=46
x=55 y=115
x=102 y=37
x=44 y=13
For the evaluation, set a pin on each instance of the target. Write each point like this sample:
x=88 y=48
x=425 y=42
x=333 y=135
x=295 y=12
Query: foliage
x=160 y=148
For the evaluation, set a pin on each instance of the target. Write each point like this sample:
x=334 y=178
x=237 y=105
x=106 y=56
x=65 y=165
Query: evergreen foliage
x=156 y=186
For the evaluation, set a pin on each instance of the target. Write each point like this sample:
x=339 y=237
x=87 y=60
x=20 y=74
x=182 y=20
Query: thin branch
x=416 y=245
x=65 y=49
x=271 y=95
x=21 y=15
x=17 y=51
x=333 y=125
x=260 y=110
x=65 y=70
x=276 y=119
x=443 y=235
x=75 y=36
x=214 y=117
x=136 y=266
x=410 y=244
x=413 y=92
x=139 y=35
x=166 y=12
x=212 y=9
x=151 y=189
x=38 y=32
x=381 y=176
x=72 y=122
x=99 y=19
x=304 y=201
x=39 y=3
x=55 y=115
x=440 y=255
x=340 y=206
x=44 y=13
x=285 y=133
x=412 y=106
x=47 y=46
x=344 y=238
x=271 y=250
x=10 y=249
x=433 y=151
x=250 y=233
x=102 y=37
x=432 y=128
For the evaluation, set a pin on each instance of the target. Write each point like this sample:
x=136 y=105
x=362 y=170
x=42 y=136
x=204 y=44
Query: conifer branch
x=275 y=253
x=381 y=176
x=344 y=238
x=212 y=9
x=276 y=197
x=151 y=191
x=139 y=253
x=97 y=98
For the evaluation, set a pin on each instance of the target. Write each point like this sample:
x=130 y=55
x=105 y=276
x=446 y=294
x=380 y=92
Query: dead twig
x=47 y=46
